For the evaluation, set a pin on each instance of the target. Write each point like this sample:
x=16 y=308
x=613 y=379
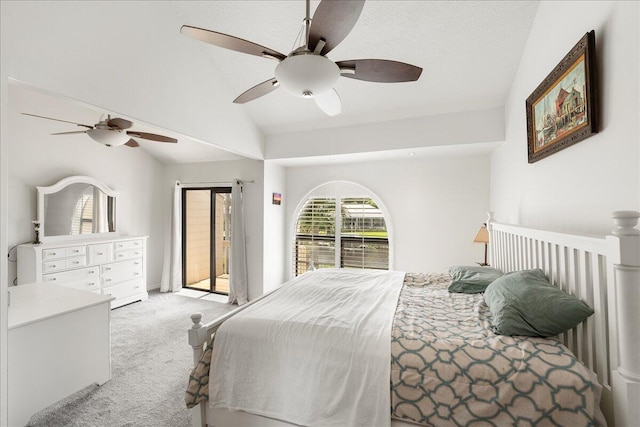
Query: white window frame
x=339 y=190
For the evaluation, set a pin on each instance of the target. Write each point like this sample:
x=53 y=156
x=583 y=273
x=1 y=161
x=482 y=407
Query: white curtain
x=172 y=266
x=238 y=288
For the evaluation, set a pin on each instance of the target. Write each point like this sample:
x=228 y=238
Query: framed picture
x=277 y=198
x=563 y=109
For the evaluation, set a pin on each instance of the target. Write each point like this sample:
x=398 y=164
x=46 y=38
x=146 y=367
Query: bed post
x=197 y=338
x=624 y=269
x=490 y=221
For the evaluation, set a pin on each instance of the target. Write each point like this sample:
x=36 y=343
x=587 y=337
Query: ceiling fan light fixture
x=306 y=75
x=110 y=138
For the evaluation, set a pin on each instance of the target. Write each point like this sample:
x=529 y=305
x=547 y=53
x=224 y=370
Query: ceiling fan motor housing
x=305 y=75
x=108 y=137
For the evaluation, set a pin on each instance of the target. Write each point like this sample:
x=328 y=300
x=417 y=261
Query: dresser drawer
x=57 y=253
x=124 y=289
x=130 y=254
x=100 y=253
x=126 y=245
x=117 y=272
x=76 y=262
x=86 y=279
x=75 y=251
x=63 y=264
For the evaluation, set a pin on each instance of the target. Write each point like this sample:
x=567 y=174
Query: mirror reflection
x=78 y=208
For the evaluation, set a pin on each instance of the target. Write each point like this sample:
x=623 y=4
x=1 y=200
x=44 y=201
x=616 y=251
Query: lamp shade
x=307 y=75
x=482 y=236
x=108 y=137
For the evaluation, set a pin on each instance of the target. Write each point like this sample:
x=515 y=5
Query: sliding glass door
x=206 y=234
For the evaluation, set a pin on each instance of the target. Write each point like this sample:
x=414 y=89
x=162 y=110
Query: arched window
x=340 y=225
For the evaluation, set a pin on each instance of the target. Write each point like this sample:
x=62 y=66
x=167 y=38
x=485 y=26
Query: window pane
x=364 y=239
x=315 y=236
x=198 y=239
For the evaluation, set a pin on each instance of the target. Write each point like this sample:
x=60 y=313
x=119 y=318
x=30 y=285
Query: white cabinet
x=59 y=342
x=113 y=266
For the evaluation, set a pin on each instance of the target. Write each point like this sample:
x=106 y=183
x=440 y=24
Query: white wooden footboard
x=202 y=335
x=604 y=272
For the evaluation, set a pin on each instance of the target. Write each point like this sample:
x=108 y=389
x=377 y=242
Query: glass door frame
x=212 y=251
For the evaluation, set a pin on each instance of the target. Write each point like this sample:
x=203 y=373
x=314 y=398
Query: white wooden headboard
x=604 y=272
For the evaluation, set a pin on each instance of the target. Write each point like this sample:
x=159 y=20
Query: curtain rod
x=215 y=183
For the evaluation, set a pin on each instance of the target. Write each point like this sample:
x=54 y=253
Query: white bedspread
x=316 y=352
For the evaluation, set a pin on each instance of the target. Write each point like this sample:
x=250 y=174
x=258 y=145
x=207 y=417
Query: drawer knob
x=107 y=268
x=136 y=274
x=91 y=271
x=76 y=262
x=53 y=279
x=100 y=253
x=107 y=280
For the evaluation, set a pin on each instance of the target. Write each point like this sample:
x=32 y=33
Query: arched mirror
x=76 y=206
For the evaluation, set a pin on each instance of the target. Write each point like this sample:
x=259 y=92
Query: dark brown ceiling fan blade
x=58 y=120
x=119 y=123
x=132 y=143
x=380 y=70
x=332 y=22
x=69 y=133
x=151 y=136
x=230 y=42
x=257 y=91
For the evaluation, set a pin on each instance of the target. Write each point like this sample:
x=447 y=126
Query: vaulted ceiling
x=469 y=52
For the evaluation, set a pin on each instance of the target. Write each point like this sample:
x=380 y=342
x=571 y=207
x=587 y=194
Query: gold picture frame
x=563 y=109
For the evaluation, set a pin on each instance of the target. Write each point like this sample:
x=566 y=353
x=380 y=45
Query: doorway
x=206 y=238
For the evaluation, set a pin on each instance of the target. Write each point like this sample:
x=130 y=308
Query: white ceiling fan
x=111 y=132
x=306 y=71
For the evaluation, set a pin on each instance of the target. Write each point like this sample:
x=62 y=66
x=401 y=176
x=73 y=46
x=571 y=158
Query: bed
x=435 y=359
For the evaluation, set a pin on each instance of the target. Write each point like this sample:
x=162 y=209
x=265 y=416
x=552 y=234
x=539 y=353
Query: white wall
x=225 y=172
x=465 y=127
x=576 y=188
x=274 y=226
x=38 y=158
x=436 y=204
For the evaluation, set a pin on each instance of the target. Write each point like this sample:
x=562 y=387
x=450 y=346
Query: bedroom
x=605 y=178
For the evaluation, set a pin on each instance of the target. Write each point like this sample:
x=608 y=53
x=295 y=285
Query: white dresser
x=113 y=266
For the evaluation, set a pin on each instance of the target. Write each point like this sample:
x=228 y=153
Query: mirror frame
x=63 y=183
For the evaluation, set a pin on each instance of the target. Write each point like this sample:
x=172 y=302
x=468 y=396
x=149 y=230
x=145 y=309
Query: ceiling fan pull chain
x=298 y=41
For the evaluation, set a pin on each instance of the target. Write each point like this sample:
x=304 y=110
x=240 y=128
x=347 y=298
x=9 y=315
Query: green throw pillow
x=525 y=303
x=471 y=279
